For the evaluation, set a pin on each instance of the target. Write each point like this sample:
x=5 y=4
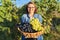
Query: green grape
x=36 y=25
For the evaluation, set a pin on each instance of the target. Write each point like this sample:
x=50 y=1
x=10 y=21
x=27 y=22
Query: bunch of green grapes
x=36 y=25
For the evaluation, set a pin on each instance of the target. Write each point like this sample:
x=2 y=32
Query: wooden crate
x=31 y=35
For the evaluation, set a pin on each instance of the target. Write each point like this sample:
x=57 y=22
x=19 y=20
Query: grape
x=36 y=25
x=33 y=26
x=26 y=27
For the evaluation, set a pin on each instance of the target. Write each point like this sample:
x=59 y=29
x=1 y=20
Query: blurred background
x=12 y=10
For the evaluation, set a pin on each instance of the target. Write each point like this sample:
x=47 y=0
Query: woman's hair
x=33 y=4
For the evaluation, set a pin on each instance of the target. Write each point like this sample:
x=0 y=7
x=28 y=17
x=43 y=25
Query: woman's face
x=31 y=8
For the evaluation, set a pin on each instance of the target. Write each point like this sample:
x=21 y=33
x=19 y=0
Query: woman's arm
x=41 y=20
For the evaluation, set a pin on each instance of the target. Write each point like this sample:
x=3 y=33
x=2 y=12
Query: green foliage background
x=10 y=16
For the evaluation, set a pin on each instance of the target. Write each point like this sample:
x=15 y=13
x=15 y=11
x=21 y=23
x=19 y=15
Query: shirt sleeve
x=22 y=19
x=40 y=18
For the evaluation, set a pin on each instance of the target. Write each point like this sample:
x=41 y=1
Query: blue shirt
x=26 y=19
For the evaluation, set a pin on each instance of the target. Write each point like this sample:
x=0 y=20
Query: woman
x=31 y=12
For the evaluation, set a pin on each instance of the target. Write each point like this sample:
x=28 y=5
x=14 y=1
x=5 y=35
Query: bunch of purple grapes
x=26 y=27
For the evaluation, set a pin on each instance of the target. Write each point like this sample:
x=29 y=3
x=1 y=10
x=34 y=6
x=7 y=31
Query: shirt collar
x=29 y=16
